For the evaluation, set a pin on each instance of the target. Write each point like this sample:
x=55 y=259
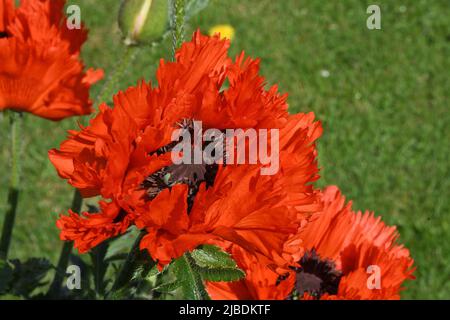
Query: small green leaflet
x=216 y=265
x=207 y=263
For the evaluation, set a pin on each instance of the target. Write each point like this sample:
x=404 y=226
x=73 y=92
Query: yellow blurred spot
x=225 y=30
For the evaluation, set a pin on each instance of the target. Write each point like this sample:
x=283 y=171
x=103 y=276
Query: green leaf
x=216 y=265
x=221 y=274
x=168 y=287
x=153 y=272
x=6 y=276
x=28 y=275
x=190 y=280
x=209 y=256
x=140 y=285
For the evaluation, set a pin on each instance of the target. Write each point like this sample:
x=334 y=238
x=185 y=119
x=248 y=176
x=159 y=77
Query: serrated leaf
x=216 y=265
x=6 y=276
x=209 y=256
x=221 y=274
x=154 y=271
x=120 y=294
x=139 y=273
x=28 y=275
x=190 y=280
x=168 y=287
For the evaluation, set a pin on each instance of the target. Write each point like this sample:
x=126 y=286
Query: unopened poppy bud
x=143 y=21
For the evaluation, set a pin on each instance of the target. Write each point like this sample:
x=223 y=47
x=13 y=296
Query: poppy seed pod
x=143 y=21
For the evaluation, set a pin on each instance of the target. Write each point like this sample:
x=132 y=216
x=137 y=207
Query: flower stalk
x=111 y=84
x=16 y=120
x=178 y=24
x=66 y=250
x=129 y=266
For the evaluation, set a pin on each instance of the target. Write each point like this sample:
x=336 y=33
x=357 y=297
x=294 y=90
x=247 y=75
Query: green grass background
x=384 y=107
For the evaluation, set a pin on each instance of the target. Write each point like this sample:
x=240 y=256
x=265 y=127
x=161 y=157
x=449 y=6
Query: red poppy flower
x=41 y=71
x=124 y=155
x=347 y=253
x=341 y=255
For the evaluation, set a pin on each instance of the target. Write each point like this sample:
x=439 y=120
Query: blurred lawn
x=384 y=106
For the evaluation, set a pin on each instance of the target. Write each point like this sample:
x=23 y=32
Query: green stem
x=66 y=250
x=178 y=21
x=13 y=192
x=129 y=266
x=111 y=84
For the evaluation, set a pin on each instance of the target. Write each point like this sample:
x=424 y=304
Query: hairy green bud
x=143 y=21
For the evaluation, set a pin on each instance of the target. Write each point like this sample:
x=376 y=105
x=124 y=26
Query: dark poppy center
x=193 y=175
x=3 y=34
x=316 y=276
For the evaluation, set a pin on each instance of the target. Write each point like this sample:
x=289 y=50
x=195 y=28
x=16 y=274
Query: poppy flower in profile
x=41 y=71
x=341 y=255
x=125 y=156
x=350 y=255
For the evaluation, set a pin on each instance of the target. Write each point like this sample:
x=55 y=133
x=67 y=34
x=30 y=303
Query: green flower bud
x=143 y=21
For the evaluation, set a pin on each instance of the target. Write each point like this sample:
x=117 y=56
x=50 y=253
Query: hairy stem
x=129 y=266
x=112 y=82
x=178 y=24
x=66 y=250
